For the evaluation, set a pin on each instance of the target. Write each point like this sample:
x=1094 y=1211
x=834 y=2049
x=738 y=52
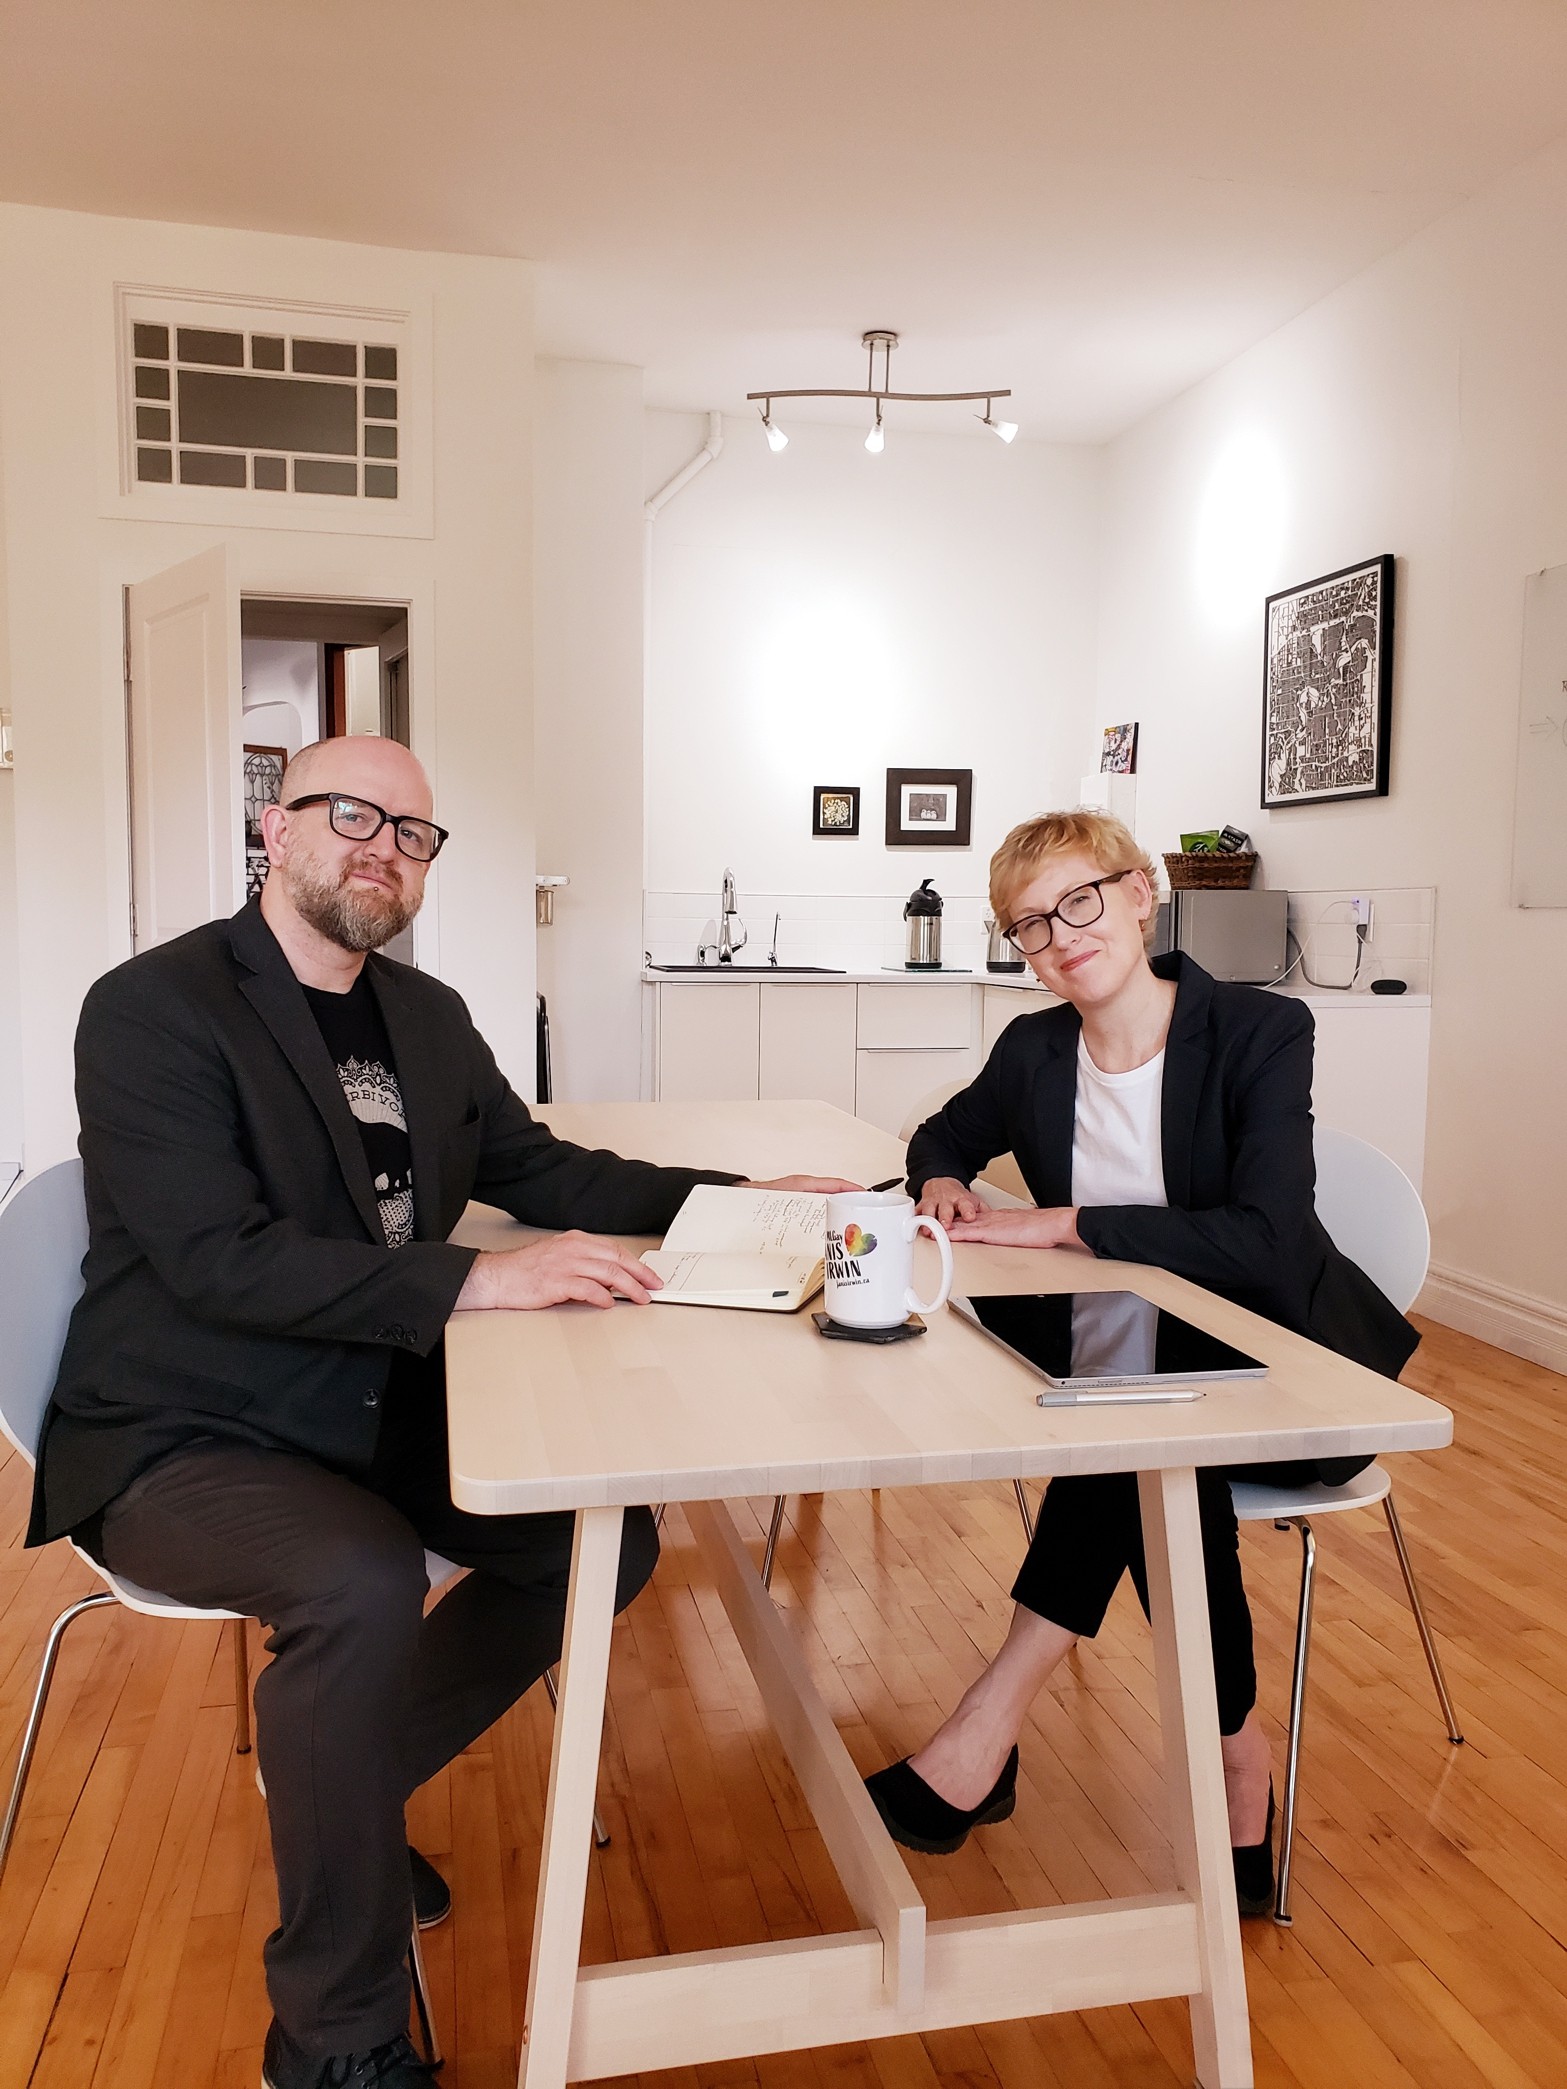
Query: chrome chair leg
x=600 y=1832
x=773 y=1530
x=1308 y=1579
x=242 y=1686
x=1025 y=1511
x=1433 y=1659
x=421 y=1988
x=24 y=1760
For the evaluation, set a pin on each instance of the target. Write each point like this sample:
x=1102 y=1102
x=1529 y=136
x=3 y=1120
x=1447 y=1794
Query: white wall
x=68 y=558
x=821 y=615
x=588 y=720
x=1419 y=410
x=282 y=692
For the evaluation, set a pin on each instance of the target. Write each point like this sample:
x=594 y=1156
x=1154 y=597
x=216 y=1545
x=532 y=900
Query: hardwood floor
x=1431 y=1881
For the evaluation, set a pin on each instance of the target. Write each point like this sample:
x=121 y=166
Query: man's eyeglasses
x=1083 y=904
x=356 y=819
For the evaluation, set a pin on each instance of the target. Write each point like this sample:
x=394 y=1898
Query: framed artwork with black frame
x=1327 y=687
x=929 y=808
x=835 y=810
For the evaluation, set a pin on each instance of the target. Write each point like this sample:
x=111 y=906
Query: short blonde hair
x=1106 y=842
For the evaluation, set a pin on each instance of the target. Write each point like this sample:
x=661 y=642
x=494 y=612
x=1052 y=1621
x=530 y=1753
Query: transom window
x=267 y=410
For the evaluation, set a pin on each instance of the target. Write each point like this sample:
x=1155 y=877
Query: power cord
x=1329 y=986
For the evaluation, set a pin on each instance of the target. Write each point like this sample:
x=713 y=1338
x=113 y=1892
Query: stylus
x=1126 y=1396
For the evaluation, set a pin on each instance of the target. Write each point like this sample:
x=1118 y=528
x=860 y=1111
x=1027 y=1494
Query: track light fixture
x=880 y=342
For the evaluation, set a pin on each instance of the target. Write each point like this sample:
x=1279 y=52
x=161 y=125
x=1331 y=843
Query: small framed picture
x=1119 y=755
x=1327 y=687
x=835 y=809
x=929 y=808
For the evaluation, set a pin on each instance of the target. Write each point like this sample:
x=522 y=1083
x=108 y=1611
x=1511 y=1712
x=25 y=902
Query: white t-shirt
x=1117 y=1158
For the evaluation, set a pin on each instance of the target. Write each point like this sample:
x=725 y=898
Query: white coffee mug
x=870 y=1259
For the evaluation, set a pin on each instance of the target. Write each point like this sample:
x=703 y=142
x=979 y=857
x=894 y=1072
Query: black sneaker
x=432 y=1895
x=392 y=2066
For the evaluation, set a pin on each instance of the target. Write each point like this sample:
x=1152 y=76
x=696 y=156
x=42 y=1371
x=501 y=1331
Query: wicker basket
x=1209 y=870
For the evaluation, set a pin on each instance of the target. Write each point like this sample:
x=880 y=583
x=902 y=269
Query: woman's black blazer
x=1238 y=1166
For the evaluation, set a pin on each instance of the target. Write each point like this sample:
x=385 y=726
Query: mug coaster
x=904 y=1332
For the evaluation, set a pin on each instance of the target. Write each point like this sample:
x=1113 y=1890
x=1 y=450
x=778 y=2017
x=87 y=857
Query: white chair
x=1373 y=1213
x=43 y=1238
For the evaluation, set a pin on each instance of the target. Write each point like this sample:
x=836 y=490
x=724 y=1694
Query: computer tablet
x=1110 y=1346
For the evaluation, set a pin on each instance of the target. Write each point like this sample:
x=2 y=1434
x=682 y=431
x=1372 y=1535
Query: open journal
x=760 y=1249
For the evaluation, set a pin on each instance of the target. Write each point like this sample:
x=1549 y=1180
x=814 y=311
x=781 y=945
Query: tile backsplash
x=861 y=932
x=1403 y=922
x=857 y=932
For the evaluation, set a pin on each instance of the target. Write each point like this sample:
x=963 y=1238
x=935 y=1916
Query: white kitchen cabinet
x=915 y=1017
x=888 y=1085
x=708 y=1042
x=807 y=1044
x=1370 y=1075
x=912 y=1038
x=1003 y=1005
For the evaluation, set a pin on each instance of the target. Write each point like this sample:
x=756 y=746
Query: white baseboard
x=1525 y=1326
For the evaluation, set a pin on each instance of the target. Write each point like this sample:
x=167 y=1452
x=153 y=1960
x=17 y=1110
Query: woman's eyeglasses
x=356 y=819
x=1083 y=904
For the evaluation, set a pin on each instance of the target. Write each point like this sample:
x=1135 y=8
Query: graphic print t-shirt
x=362 y=1053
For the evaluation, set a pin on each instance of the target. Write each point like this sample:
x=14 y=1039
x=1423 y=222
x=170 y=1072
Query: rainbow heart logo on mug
x=856 y=1241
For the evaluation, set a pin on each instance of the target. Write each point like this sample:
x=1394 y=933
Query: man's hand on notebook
x=812 y=1185
x=587 y=1267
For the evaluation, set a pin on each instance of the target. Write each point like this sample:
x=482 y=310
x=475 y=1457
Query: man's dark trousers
x=364 y=1698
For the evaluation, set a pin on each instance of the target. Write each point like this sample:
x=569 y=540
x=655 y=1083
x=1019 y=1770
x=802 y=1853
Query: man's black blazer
x=238 y=1282
x=1238 y=1167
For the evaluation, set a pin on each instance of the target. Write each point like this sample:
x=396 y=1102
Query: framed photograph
x=835 y=809
x=928 y=808
x=1119 y=754
x=1327 y=687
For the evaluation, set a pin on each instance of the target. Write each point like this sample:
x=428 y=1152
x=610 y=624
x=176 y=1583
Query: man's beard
x=353 y=920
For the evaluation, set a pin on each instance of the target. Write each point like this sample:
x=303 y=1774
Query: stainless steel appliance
x=1240 y=936
x=999 y=954
x=922 y=912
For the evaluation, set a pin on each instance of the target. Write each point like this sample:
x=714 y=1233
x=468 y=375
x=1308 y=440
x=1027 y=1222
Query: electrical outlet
x=1360 y=911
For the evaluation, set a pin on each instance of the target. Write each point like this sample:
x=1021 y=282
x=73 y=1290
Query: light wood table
x=582 y=1409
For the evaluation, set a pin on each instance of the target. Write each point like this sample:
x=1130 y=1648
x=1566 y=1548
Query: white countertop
x=1015 y=982
x=892 y=975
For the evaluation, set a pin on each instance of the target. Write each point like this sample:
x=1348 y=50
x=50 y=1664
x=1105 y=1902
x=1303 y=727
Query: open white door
x=187 y=836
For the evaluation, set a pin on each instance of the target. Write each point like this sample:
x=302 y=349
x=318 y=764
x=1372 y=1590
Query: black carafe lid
x=925 y=901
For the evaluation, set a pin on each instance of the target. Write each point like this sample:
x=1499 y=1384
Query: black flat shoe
x=1254 y=1869
x=921 y=1819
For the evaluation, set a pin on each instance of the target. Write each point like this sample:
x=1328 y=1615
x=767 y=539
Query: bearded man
x=279 y=1131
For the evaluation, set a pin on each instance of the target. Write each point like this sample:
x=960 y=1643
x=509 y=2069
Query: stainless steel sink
x=764 y=971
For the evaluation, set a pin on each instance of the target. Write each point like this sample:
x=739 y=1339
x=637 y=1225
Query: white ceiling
x=1096 y=201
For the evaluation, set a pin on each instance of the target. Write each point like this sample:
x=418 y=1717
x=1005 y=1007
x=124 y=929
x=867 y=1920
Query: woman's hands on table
x=966 y=1217
x=1027 y=1227
x=587 y=1267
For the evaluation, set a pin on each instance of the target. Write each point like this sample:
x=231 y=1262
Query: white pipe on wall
x=651 y=507
x=703 y=458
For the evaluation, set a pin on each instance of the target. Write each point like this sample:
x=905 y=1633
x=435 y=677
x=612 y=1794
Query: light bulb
x=1005 y=429
x=876 y=441
x=776 y=439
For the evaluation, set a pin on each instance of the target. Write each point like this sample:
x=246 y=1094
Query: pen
x=891 y=1183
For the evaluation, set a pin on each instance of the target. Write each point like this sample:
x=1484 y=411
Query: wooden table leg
x=568 y=1816
x=1194 y=1772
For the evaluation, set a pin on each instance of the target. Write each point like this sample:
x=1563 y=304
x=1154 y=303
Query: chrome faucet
x=728 y=943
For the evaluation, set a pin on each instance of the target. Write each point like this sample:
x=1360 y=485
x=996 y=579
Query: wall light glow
x=822 y=685
x=1239 y=533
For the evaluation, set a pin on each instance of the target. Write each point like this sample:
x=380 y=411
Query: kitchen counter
x=729 y=975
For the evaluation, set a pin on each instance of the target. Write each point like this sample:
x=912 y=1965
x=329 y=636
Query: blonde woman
x=1157 y=1116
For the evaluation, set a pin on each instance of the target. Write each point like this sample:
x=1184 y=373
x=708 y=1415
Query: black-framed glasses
x=1080 y=906
x=356 y=819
